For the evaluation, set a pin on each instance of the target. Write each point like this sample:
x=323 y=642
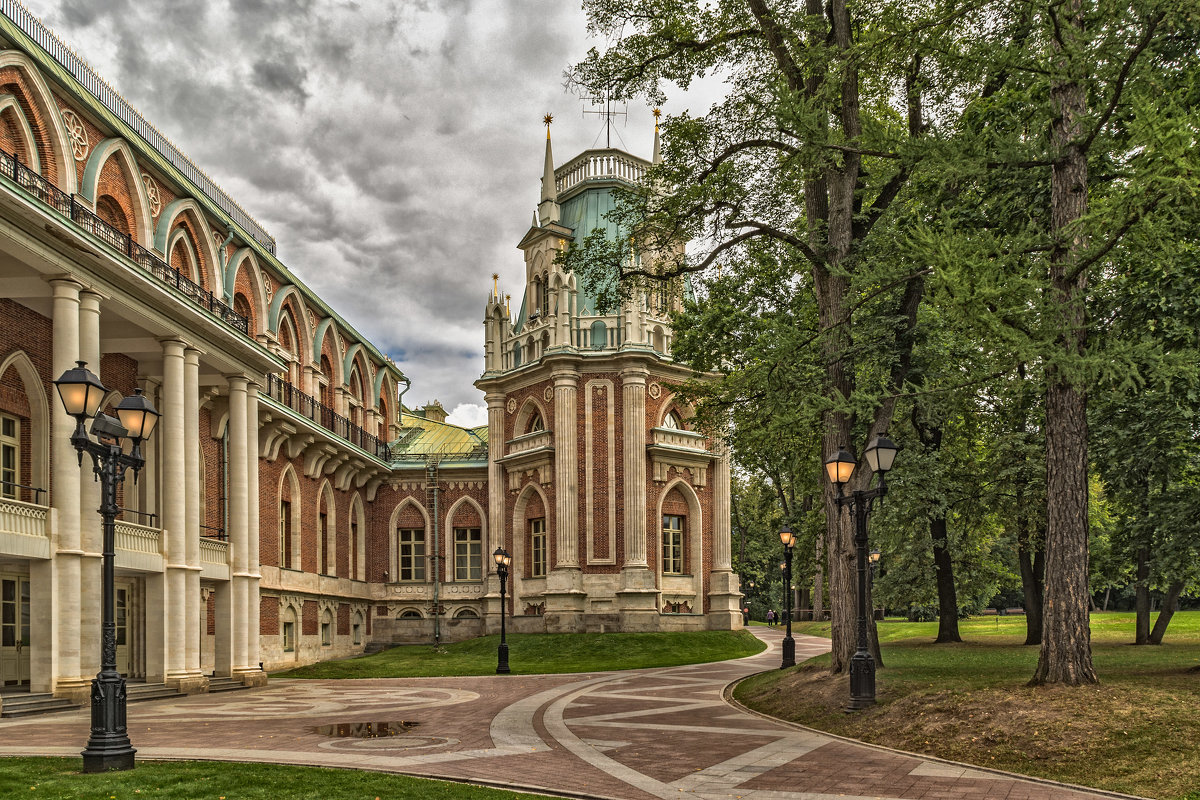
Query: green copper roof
x=420 y=437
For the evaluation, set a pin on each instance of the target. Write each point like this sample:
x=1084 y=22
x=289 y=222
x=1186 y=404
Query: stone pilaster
x=64 y=498
x=638 y=596
x=724 y=593
x=564 y=594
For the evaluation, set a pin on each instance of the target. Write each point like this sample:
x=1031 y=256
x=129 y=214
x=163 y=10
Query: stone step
x=25 y=705
x=137 y=692
x=224 y=685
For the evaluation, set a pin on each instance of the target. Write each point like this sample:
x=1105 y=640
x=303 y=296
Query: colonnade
x=68 y=586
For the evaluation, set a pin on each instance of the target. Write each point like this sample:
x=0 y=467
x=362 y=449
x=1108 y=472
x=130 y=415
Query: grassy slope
x=59 y=778
x=1137 y=732
x=533 y=654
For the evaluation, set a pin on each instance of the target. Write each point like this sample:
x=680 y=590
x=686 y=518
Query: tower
x=615 y=510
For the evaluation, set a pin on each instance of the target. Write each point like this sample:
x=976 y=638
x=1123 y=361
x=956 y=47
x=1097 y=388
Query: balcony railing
x=70 y=207
x=19 y=491
x=607 y=164
x=94 y=84
x=306 y=405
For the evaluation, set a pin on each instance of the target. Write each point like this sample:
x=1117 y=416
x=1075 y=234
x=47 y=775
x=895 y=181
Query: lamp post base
x=789 y=653
x=502 y=664
x=862 y=681
x=108 y=747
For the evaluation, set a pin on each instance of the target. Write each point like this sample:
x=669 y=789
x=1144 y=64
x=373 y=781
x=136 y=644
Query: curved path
x=659 y=733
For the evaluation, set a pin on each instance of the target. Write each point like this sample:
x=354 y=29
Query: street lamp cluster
x=81 y=393
x=880 y=454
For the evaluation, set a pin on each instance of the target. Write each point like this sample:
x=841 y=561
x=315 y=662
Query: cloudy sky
x=393 y=149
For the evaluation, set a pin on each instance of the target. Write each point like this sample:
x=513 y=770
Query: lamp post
x=502 y=561
x=750 y=596
x=874 y=559
x=789 y=644
x=81 y=393
x=880 y=453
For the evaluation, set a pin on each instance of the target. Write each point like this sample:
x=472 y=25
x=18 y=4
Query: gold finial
x=548 y=119
x=657 y=113
x=495 y=284
x=507 y=309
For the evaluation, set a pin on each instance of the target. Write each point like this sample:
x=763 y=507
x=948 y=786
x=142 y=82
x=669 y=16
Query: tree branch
x=1141 y=46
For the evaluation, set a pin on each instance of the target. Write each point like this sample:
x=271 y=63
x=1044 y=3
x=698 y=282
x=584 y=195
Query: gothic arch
x=39 y=415
x=13 y=115
x=358 y=539
x=288 y=478
x=520 y=535
x=694 y=536
x=528 y=409
x=141 y=217
x=448 y=537
x=56 y=154
x=243 y=260
x=393 y=543
x=327 y=328
x=188 y=209
x=276 y=308
x=669 y=404
x=192 y=269
x=356 y=353
x=327 y=540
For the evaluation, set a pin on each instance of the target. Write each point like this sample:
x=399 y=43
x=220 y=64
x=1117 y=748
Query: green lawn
x=53 y=778
x=1137 y=732
x=533 y=654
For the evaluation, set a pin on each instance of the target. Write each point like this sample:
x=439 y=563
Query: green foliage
x=60 y=779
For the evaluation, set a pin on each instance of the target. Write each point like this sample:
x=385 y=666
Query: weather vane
x=607 y=112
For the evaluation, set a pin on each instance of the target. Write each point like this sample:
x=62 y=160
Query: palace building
x=292 y=507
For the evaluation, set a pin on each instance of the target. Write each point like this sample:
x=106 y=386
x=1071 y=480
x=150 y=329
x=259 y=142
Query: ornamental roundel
x=655 y=391
x=548 y=394
x=78 y=134
x=512 y=405
x=152 y=195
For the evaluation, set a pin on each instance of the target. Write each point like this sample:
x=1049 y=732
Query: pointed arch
x=39 y=415
x=327 y=329
x=56 y=154
x=139 y=214
x=693 y=535
x=406 y=512
x=530 y=410
x=453 y=515
x=16 y=128
x=522 y=557
x=276 y=308
x=670 y=403
x=356 y=351
x=244 y=264
x=188 y=261
x=289 y=516
x=358 y=539
x=326 y=529
x=186 y=212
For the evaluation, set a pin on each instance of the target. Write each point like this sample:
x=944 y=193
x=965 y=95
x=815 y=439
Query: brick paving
x=664 y=733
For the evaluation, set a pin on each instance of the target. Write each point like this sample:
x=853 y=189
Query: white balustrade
x=24 y=529
x=599 y=165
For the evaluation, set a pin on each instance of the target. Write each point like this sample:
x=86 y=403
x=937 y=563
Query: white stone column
x=65 y=503
x=195 y=494
x=91 y=533
x=232 y=625
x=566 y=469
x=247 y=667
x=172 y=434
x=638 y=596
x=724 y=592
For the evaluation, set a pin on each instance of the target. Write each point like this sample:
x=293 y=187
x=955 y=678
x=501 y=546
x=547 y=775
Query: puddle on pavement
x=365 y=730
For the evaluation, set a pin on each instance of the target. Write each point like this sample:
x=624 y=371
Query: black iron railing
x=16 y=491
x=151 y=519
x=70 y=207
x=211 y=532
x=308 y=406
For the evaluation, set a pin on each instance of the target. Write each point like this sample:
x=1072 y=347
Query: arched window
x=673 y=544
x=673 y=421
x=466 y=613
x=410 y=613
x=285 y=532
x=537 y=547
x=327 y=628
x=599 y=335
x=288 y=630
x=545 y=300
x=356 y=627
x=535 y=423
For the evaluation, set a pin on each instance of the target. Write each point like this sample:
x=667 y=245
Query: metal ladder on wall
x=432 y=490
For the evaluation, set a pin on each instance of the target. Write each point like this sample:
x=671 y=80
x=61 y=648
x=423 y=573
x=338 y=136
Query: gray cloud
x=393 y=149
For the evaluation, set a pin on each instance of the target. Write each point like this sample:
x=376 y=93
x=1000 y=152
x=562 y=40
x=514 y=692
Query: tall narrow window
x=327 y=628
x=537 y=547
x=323 y=541
x=353 y=546
x=289 y=637
x=412 y=554
x=285 y=534
x=468 y=554
x=10 y=456
x=672 y=544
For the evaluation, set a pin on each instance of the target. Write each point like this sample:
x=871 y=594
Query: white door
x=121 y=598
x=14 y=630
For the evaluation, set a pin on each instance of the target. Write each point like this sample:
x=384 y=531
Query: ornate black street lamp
x=81 y=393
x=789 y=644
x=502 y=561
x=880 y=454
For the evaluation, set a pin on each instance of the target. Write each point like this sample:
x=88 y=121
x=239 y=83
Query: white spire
x=548 y=209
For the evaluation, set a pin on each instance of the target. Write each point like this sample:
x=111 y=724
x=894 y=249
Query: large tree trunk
x=1066 y=653
x=1141 y=602
x=947 y=597
x=1169 y=607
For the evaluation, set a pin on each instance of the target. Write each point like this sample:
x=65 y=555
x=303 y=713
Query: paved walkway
x=663 y=733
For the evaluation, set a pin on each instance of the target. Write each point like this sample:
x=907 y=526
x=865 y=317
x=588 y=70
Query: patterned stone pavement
x=661 y=733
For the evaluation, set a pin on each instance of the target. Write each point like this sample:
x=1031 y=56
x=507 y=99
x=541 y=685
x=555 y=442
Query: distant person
x=745 y=616
x=771 y=618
